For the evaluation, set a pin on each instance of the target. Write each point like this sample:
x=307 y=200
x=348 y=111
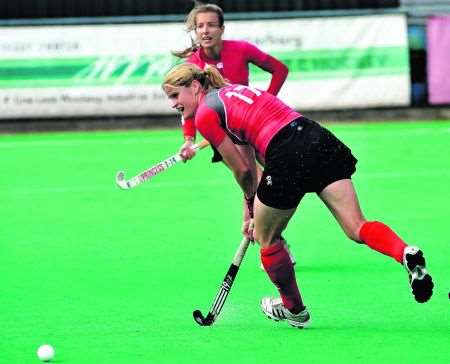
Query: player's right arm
x=186 y=151
x=188 y=125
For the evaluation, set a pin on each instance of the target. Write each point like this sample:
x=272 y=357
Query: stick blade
x=120 y=180
x=201 y=320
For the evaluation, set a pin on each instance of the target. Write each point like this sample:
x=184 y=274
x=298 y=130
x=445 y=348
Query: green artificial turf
x=112 y=276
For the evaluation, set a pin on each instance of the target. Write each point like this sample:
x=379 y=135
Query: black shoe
x=420 y=281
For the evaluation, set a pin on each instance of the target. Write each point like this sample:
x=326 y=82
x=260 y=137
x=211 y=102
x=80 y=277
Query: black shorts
x=302 y=157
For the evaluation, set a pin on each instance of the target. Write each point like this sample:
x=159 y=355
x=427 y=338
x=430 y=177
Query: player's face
x=184 y=100
x=208 y=31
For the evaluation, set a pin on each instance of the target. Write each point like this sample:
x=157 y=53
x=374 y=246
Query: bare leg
x=269 y=224
x=259 y=173
x=340 y=198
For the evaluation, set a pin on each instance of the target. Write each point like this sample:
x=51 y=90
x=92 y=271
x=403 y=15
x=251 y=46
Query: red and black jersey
x=246 y=114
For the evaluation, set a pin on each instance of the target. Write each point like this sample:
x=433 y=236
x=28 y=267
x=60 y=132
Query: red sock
x=381 y=238
x=278 y=266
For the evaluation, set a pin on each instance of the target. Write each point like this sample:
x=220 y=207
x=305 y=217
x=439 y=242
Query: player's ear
x=196 y=87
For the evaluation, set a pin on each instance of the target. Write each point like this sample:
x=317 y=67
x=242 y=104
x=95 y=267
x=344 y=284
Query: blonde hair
x=184 y=74
x=191 y=24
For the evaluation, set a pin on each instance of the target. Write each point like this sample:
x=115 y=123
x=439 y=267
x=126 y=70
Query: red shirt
x=233 y=64
x=245 y=114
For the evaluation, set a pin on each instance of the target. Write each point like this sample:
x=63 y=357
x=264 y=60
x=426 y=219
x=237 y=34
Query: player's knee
x=259 y=237
x=265 y=238
x=352 y=231
x=355 y=238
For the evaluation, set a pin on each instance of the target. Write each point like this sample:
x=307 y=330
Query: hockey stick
x=225 y=287
x=154 y=170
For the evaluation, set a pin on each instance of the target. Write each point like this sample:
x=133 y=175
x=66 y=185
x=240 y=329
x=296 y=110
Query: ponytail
x=214 y=77
x=187 y=52
x=184 y=74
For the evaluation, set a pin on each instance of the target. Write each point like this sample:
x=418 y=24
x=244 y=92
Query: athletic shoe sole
x=419 y=279
x=293 y=323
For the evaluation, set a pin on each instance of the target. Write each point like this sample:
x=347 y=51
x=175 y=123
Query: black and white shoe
x=274 y=309
x=419 y=279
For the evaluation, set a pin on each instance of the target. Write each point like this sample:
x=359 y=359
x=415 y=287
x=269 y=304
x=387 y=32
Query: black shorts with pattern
x=303 y=157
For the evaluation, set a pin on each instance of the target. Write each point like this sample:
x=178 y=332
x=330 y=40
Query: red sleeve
x=189 y=128
x=207 y=123
x=189 y=124
x=270 y=64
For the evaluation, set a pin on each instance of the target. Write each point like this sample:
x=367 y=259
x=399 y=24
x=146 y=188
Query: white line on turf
x=212 y=182
x=153 y=139
x=84 y=141
x=113 y=188
x=390 y=132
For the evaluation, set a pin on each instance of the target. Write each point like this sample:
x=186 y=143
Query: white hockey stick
x=154 y=170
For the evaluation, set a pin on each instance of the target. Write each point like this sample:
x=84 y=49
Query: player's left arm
x=207 y=122
x=241 y=160
x=248 y=153
x=270 y=64
x=243 y=168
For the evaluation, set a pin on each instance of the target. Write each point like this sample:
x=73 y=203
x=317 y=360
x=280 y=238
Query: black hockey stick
x=225 y=287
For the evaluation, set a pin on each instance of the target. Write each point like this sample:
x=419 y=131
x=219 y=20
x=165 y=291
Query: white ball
x=45 y=352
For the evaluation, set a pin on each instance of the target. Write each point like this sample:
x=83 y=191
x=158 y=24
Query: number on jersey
x=236 y=93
